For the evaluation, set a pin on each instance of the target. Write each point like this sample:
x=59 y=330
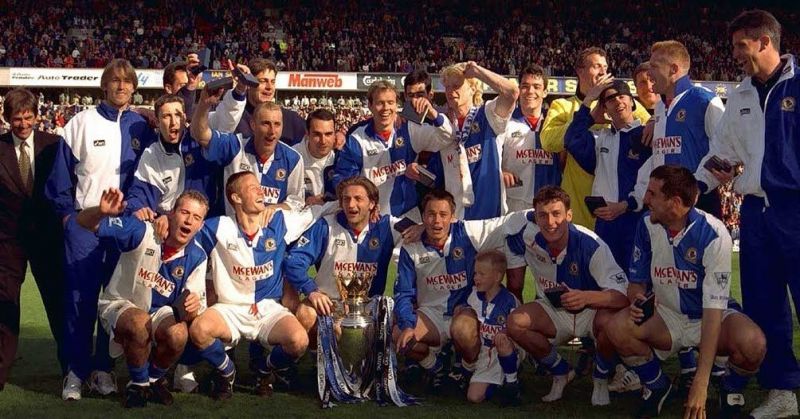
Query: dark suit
x=29 y=232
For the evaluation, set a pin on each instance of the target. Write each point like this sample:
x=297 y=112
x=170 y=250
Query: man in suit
x=29 y=229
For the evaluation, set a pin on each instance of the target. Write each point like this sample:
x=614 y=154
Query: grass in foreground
x=35 y=386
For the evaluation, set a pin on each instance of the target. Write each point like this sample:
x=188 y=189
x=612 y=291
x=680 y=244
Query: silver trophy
x=353 y=291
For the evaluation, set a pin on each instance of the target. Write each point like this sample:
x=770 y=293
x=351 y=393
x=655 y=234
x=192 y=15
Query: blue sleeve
x=122 y=233
x=142 y=195
x=348 y=162
x=641 y=256
x=222 y=148
x=435 y=166
x=579 y=140
x=207 y=236
x=405 y=292
x=60 y=185
x=306 y=251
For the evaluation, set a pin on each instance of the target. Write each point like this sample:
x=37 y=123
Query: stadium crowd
x=368 y=36
x=191 y=224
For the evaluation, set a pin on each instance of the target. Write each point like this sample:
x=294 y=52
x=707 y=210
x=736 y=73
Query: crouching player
x=684 y=254
x=157 y=286
x=247 y=256
x=437 y=273
x=583 y=286
x=479 y=332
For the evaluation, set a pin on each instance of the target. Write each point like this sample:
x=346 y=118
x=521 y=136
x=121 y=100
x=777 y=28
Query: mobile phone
x=220 y=83
x=410 y=114
x=517 y=183
x=595 y=202
x=716 y=163
x=426 y=177
x=404 y=224
x=197 y=69
x=648 y=306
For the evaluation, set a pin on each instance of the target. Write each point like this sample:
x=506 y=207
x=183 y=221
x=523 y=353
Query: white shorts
x=568 y=325
x=110 y=312
x=440 y=322
x=685 y=332
x=242 y=322
x=488 y=369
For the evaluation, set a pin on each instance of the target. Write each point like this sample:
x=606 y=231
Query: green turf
x=35 y=385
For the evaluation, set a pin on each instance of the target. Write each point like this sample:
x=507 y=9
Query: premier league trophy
x=359 y=364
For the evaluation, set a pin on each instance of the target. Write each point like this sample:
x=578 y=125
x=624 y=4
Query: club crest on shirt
x=188 y=160
x=244 y=166
x=458 y=253
x=573 y=268
x=691 y=255
x=787 y=104
x=177 y=272
x=99 y=143
x=115 y=221
x=149 y=252
x=135 y=144
x=374 y=243
x=633 y=155
x=681 y=116
x=618 y=277
x=501 y=320
x=474 y=128
x=399 y=141
x=269 y=244
x=280 y=174
x=722 y=278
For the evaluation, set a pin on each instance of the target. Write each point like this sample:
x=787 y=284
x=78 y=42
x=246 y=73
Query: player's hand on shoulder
x=145 y=214
x=161 y=226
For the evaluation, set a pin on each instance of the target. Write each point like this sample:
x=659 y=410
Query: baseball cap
x=617 y=87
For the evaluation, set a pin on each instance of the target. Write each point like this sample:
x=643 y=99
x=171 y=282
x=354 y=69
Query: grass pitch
x=34 y=389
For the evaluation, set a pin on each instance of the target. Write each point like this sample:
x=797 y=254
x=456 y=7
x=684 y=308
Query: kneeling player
x=155 y=289
x=583 y=287
x=344 y=244
x=247 y=256
x=684 y=254
x=479 y=334
x=437 y=273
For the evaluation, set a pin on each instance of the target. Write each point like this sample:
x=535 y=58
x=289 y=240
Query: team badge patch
x=681 y=116
x=573 y=268
x=501 y=319
x=787 y=104
x=177 y=272
x=188 y=160
x=722 y=278
x=399 y=141
x=303 y=241
x=269 y=244
x=691 y=255
x=115 y=221
x=135 y=144
x=458 y=253
x=280 y=174
x=374 y=243
x=633 y=155
x=149 y=252
x=99 y=143
x=243 y=166
x=618 y=277
x=474 y=128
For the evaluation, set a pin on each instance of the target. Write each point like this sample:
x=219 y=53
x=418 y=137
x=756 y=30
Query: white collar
x=18 y=141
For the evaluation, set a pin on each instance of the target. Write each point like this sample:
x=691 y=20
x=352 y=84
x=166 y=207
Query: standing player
x=591 y=68
x=470 y=168
x=479 y=332
x=247 y=258
x=684 y=254
x=317 y=151
x=758 y=131
x=583 y=286
x=437 y=273
x=382 y=153
x=644 y=87
x=277 y=166
x=614 y=156
x=684 y=120
x=156 y=288
x=101 y=150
